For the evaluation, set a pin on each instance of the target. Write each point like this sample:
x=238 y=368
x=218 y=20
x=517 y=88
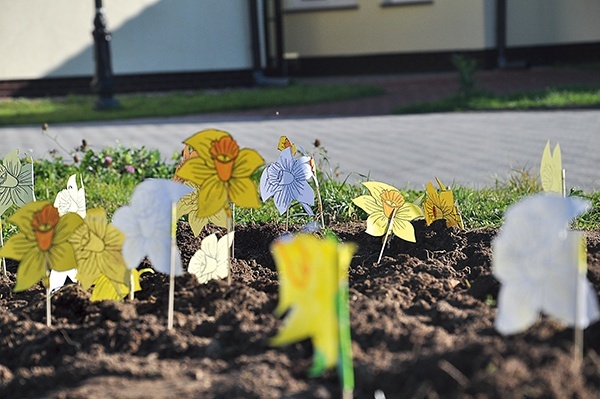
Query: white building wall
x=52 y=38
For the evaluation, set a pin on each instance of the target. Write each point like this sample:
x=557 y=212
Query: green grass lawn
x=81 y=108
x=552 y=98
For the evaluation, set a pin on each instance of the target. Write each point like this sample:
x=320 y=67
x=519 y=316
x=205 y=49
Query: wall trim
x=129 y=83
x=441 y=61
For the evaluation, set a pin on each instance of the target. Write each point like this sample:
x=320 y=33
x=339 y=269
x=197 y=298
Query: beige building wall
x=372 y=29
x=52 y=38
x=549 y=22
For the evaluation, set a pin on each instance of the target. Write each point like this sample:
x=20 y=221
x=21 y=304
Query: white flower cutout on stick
x=146 y=223
x=286 y=180
x=68 y=200
x=536 y=259
x=211 y=260
x=71 y=199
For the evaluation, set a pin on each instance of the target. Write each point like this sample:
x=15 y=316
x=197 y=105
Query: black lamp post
x=103 y=83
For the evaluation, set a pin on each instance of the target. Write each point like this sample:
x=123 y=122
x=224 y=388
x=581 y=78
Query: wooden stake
x=172 y=265
x=387 y=233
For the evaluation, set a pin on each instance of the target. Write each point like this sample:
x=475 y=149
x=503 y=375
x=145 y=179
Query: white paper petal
x=58 y=279
x=518 y=308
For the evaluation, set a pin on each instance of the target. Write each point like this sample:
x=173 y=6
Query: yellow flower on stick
x=551 y=170
x=386 y=207
x=98 y=246
x=311 y=272
x=441 y=206
x=222 y=170
x=42 y=243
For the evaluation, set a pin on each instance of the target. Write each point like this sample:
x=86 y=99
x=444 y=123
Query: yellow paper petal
x=242 y=192
x=551 y=169
x=247 y=162
x=202 y=140
x=377 y=224
x=368 y=204
x=212 y=197
x=196 y=170
x=66 y=226
x=61 y=257
x=32 y=269
x=17 y=246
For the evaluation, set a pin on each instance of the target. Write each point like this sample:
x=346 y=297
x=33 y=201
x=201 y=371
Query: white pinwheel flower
x=286 y=180
x=211 y=260
x=536 y=259
x=146 y=223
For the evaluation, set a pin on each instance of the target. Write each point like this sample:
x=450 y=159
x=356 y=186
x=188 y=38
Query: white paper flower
x=68 y=200
x=286 y=180
x=536 y=258
x=146 y=223
x=211 y=260
x=71 y=199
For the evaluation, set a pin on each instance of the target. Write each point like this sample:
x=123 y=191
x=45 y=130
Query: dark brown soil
x=422 y=327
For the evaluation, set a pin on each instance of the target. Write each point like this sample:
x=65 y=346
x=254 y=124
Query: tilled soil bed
x=422 y=327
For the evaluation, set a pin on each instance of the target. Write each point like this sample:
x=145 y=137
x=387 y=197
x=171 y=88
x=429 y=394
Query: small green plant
x=466 y=68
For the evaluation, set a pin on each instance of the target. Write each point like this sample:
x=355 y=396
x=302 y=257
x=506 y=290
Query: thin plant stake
x=579 y=304
x=1 y=245
x=229 y=255
x=131 y=285
x=387 y=234
x=172 y=265
x=319 y=201
x=48 y=303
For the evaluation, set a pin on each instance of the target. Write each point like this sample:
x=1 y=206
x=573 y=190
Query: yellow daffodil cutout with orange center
x=310 y=271
x=441 y=206
x=384 y=205
x=42 y=242
x=222 y=171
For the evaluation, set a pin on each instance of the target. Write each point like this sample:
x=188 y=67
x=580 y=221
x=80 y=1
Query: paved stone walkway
x=471 y=149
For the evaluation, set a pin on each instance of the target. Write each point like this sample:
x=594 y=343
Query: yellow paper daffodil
x=188 y=205
x=551 y=169
x=222 y=170
x=98 y=246
x=42 y=242
x=383 y=203
x=310 y=270
x=441 y=206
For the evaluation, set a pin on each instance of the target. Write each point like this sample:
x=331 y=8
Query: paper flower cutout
x=68 y=200
x=310 y=270
x=188 y=205
x=441 y=206
x=536 y=258
x=71 y=199
x=551 y=169
x=97 y=246
x=146 y=223
x=286 y=180
x=222 y=170
x=42 y=242
x=381 y=204
x=16 y=182
x=211 y=260
x=106 y=289
x=284 y=143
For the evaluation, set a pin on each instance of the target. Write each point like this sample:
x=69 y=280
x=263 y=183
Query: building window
x=312 y=5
